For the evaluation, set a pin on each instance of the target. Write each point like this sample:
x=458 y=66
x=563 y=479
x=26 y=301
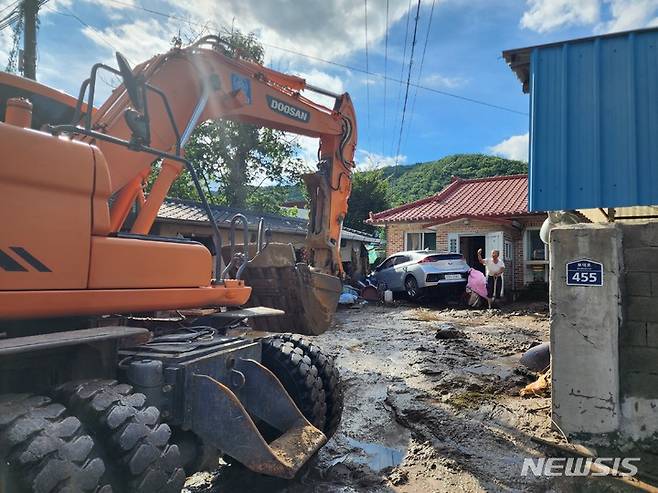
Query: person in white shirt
x=495 y=268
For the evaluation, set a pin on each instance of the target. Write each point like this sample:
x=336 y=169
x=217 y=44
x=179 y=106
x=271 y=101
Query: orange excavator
x=107 y=382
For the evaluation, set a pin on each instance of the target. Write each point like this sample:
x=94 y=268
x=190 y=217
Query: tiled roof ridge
x=216 y=207
x=194 y=203
x=455 y=183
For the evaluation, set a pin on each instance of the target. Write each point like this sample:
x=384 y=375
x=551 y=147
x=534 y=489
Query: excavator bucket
x=277 y=280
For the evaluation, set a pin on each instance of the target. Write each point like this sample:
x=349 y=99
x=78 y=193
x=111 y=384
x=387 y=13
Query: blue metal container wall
x=594 y=123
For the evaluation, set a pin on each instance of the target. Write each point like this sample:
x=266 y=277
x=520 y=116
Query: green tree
x=413 y=182
x=234 y=159
x=370 y=191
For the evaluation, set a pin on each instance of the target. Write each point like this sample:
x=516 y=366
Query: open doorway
x=468 y=247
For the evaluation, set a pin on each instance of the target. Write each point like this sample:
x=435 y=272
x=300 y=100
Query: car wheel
x=411 y=287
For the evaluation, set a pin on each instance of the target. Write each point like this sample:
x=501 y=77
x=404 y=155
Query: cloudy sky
x=458 y=51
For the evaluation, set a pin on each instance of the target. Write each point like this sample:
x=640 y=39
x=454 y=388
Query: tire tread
x=48 y=450
x=133 y=436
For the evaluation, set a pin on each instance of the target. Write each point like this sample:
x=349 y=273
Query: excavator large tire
x=299 y=376
x=43 y=449
x=333 y=386
x=140 y=456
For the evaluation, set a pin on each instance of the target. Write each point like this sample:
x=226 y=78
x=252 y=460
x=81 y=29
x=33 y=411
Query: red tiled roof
x=499 y=196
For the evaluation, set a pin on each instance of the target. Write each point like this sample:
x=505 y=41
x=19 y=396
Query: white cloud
x=630 y=14
x=309 y=150
x=364 y=159
x=371 y=160
x=516 y=147
x=137 y=41
x=6 y=40
x=620 y=15
x=438 y=81
x=322 y=80
x=547 y=15
x=327 y=29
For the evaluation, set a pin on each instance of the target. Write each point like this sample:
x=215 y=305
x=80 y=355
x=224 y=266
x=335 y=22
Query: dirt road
x=424 y=414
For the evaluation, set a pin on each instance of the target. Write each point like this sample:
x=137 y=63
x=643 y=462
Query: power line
x=17 y=12
x=8 y=6
x=83 y=23
x=385 y=75
x=406 y=91
x=404 y=57
x=420 y=69
x=334 y=63
x=397 y=81
x=365 y=5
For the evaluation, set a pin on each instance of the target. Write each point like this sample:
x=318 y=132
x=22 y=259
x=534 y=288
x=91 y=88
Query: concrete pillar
x=585 y=325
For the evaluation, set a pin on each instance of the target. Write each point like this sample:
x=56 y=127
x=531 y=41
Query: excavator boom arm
x=202 y=83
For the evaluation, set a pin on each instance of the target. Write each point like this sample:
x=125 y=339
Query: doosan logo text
x=580 y=466
x=288 y=109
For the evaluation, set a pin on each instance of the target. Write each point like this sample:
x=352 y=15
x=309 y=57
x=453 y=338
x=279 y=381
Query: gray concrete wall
x=639 y=340
x=585 y=323
x=605 y=340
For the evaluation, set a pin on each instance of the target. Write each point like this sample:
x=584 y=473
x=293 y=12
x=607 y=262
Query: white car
x=416 y=271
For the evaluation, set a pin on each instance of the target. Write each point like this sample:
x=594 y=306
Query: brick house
x=488 y=213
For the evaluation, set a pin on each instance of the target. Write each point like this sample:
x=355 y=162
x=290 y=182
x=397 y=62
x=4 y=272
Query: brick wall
x=395 y=239
x=519 y=253
x=639 y=335
x=395 y=236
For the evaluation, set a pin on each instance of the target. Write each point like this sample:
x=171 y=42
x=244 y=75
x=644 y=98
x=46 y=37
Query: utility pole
x=30 y=10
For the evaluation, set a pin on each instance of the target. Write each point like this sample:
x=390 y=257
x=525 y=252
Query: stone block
x=652 y=335
x=638 y=283
x=639 y=385
x=634 y=334
x=641 y=359
x=642 y=308
x=644 y=259
x=640 y=235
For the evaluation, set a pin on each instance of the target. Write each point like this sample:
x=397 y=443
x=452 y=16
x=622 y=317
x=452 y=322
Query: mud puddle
x=424 y=414
x=374 y=455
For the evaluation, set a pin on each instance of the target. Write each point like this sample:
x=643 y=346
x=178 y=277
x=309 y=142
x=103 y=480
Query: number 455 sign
x=584 y=272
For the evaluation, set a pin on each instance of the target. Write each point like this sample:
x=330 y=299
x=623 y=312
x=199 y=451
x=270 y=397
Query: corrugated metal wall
x=594 y=123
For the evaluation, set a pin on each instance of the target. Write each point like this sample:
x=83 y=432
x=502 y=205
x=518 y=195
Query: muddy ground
x=425 y=414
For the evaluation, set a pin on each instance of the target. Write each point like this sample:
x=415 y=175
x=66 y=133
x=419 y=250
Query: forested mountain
x=415 y=181
x=408 y=183
x=379 y=189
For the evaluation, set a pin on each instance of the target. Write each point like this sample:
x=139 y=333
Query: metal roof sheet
x=498 y=196
x=593 y=120
x=188 y=210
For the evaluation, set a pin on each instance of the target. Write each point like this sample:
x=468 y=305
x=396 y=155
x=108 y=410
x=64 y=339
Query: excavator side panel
x=46 y=187
x=133 y=263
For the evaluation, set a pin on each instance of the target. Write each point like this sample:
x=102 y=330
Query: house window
x=420 y=241
x=535 y=248
x=535 y=257
x=453 y=245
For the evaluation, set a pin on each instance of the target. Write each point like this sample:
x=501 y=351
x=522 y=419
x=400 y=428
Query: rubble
x=449 y=331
